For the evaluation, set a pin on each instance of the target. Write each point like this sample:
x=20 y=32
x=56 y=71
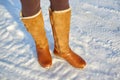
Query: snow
x=94 y=35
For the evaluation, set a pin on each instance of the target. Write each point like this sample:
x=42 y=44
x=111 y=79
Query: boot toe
x=44 y=57
x=82 y=64
x=46 y=64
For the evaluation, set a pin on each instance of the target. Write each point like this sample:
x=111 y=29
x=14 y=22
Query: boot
x=60 y=22
x=35 y=26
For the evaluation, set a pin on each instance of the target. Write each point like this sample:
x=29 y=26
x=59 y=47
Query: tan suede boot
x=35 y=26
x=60 y=22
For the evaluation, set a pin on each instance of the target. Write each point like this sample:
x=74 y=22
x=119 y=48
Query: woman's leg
x=33 y=21
x=60 y=15
x=59 y=4
x=30 y=7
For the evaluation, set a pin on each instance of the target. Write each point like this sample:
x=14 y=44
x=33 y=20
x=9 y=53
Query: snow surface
x=95 y=35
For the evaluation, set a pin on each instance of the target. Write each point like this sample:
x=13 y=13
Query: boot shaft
x=35 y=25
x=60 y=22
